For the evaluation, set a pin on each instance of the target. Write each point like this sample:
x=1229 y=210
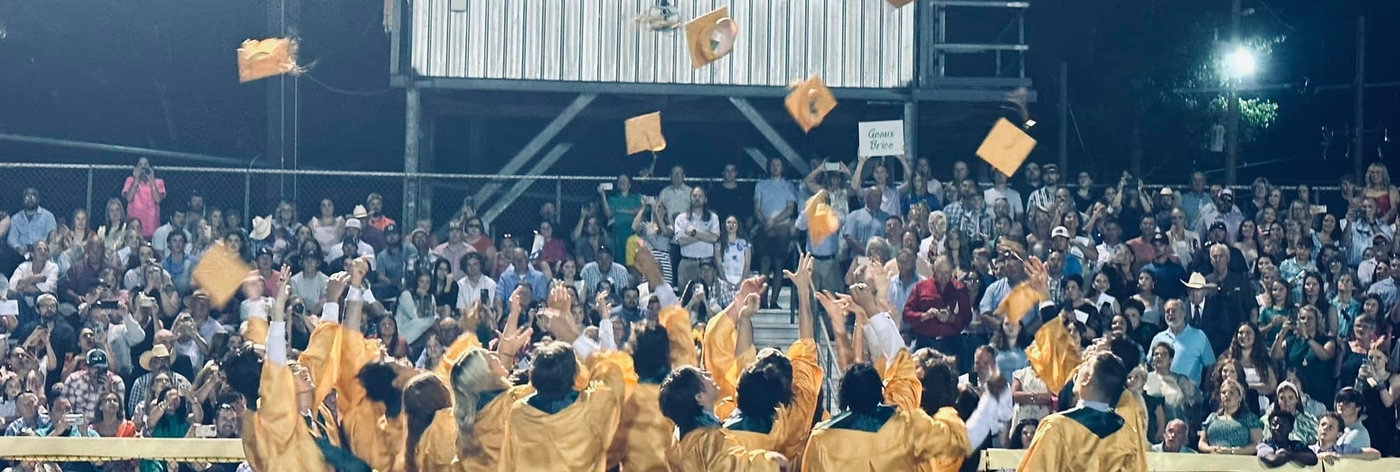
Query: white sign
x=881 y=138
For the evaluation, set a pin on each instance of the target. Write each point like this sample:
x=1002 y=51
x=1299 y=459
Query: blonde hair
x=471 y=375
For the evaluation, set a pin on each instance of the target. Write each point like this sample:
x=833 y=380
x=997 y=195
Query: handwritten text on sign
x=881 y=138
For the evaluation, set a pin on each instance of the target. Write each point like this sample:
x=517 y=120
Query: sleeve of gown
x=1047 y=450
x=375 y=438
x=1053 y=355
x=677 y=323
x=945 y=437
x=902 y=387
x=274 y=421
x=1132 y=411
x=454 y=351
x=720 y=361
x=806 y=385
x=322 y=358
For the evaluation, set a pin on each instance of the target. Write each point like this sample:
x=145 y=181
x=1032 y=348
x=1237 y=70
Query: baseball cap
x=1161 y=238
x=1059 y=231
x=1225 y=192
x=354 y=223
x=96 y=358
x=1219 y=225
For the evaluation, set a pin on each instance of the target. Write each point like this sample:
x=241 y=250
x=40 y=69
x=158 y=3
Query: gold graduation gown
x=374 y=437
x=1056 y=359
x=723 y=365
x=1064 y=444
x=909 y=440
x=490 y=430
x=575 y=439
x=437 y=447
x=277 y=433
x=793 y=423
x=711 y=450
x=644 y=434
x=903 y=389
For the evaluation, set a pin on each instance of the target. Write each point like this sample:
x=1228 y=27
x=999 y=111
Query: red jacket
x=928 y=295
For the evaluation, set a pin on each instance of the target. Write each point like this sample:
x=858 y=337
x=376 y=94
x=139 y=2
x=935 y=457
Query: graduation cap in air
x=266 y=58
x=220 y=273
x=710 y=37
x=644 y=133
x=1007 y=145
x=809 y=101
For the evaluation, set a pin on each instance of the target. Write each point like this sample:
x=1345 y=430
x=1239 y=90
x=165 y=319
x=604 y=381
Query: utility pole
x=283 y=17
x=1063 y=110
x=1358 y=117
x=1232 y=105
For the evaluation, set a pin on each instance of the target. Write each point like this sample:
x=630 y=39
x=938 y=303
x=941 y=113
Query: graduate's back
x=909 y=440
x=573 y=439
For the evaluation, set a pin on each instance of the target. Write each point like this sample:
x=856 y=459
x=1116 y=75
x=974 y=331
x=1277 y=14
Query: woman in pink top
x=143 y=193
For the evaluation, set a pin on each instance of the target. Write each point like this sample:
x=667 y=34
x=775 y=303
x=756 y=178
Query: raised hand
x=603 y=304
x=559 y=298
x=834 y=305
x=335 y=287
x=1037 y=276
x=862 y=297
x=510 y=342
x=877 y=278
x=802 y=279
x=750 y=306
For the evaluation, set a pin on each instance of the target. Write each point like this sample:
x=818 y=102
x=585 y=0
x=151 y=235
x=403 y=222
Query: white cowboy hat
x=159 y=350
x=262 y=228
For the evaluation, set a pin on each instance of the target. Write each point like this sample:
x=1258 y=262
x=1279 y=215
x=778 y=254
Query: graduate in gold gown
x=558 y=428
x=921 y=392
x=776 y=396
x=482 y=396
x=431 y=442
x=687 y=397
x=286 y=425
x=1090 y=436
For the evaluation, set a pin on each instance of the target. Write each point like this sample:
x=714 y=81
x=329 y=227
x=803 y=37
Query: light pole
x=1232 y=120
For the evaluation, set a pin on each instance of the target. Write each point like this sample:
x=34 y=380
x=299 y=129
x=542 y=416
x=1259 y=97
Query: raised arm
x=802 y=279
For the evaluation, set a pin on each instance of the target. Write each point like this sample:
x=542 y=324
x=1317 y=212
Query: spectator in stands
x=1388 y=287
x=327 y=227
x=376 y=222
x=938 y=309
x=520 y=272
x=620 y=208
x=605 y=268
x=143 y=193
x=589 y=234
x=1175 y=439
x=629 y=311
x=729 y=198
x=391 y=263
x=31 y=224
x=1001 y=190
x=453 y=250
x=774 y=206
x=696 y=231
x=160 y=238
x=552 y=250
x=1330 y=430
x=1166 y=271
x=156 y=362
x=1222 y=211
x=1279 y=447
x=1363 y=224
x=476 y=286
x=37 y=275
x=652 y=228
x=675 y=196
x=57 y=334
x=865 y=223
x=915 y=192
x=353 y=228
x=29 y=417
x=85 y=387
x=1232 y=429
x=1349 y=407
x=1380 y=189
x=1193 y=351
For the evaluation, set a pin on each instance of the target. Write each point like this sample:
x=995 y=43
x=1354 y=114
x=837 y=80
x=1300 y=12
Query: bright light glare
x=1241 y=63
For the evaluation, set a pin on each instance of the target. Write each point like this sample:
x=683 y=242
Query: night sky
x=163 y=75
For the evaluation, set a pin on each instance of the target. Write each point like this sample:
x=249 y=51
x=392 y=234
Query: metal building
x=492 y=58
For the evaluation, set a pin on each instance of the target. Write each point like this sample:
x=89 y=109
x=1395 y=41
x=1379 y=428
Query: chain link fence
x=510 y=204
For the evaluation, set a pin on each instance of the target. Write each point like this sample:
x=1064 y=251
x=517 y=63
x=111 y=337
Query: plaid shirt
x=83 y=391
x=977 y=225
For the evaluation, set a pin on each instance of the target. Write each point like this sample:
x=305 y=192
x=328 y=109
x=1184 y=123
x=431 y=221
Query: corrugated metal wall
x=851 y=43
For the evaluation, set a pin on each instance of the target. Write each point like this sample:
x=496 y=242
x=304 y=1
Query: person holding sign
x=889 y=195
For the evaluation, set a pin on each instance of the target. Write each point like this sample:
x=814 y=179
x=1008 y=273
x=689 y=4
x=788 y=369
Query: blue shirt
x=539 y=286
x=1388 y=292
x=861 y=225
x=179 y=272
x=26 y=230
x=773 y=197
x=824 y=248
x=1193 y=351
x=899 y=292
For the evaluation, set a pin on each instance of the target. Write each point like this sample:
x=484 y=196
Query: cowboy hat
x=262 y=228
x=1196 y=281
x=159 y=350
x=360 y=212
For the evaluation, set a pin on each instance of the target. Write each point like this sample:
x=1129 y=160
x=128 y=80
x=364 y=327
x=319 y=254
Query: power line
x=341 y=91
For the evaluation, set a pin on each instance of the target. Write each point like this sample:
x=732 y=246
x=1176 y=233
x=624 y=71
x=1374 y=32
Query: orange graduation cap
x=266 y=58
x=1006 y=147
x=822 y=221
x=220 y=273
x=710 y=37
x=644 y=133
x=809 y=102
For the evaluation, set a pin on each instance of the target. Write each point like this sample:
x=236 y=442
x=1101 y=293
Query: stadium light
x=1241 y=63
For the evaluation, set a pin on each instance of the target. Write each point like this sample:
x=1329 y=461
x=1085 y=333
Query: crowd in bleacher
x=1241 y=310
